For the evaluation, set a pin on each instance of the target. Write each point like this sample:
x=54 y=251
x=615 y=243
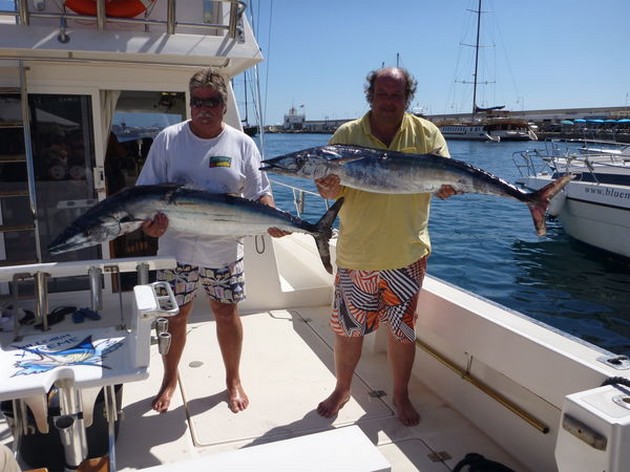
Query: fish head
x=313 y=163
x=86 y=232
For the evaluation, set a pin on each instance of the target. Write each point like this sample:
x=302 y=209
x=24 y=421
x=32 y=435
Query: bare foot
x=162 y=400
x=238 y=400
x=407 y=414
x=331 y=406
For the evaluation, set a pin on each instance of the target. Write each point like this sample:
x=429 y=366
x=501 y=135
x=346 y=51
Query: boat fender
x=113 y=8
x=478 y=463
x=557 y=203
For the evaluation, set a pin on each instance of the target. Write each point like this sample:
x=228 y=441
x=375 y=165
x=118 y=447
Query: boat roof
x=161 y=37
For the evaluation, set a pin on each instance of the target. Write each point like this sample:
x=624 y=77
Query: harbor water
x=487 y=245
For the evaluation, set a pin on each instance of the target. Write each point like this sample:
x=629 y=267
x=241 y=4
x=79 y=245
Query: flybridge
x=196 y=33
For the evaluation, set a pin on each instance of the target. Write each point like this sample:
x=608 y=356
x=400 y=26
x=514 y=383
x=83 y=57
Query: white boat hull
x=595 y=214
x=467 y=133
x=579 y=218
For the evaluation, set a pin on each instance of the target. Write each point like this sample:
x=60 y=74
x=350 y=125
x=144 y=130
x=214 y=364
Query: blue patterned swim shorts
x=225 y=284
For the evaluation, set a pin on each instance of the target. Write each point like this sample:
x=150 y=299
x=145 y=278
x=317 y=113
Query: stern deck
x=287 y=368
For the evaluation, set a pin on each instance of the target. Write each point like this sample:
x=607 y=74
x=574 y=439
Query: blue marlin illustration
x=83 y=353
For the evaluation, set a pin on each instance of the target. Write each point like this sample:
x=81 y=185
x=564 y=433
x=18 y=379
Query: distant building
x=293 y=121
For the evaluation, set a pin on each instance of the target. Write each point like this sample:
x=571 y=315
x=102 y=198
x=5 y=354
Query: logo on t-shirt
x=219 y=161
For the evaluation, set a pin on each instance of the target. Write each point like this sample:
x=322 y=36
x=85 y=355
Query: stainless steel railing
x=23 y=14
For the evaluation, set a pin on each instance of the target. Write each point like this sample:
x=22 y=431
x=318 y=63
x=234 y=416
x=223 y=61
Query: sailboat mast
x=246 y=119
x=474 y=102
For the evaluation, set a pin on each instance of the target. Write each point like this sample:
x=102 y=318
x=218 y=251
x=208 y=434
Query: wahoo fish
x=191 y=211
x=375 y=170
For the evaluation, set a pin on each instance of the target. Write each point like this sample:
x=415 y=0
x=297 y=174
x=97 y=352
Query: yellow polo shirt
x=386 y=231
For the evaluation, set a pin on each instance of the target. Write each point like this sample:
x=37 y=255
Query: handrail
x=485 y=388
x=299 y=195
x=23 y=16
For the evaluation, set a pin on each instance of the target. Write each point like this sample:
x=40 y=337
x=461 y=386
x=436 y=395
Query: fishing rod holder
x=66 y=399
x=70 y=424
x=163 y=336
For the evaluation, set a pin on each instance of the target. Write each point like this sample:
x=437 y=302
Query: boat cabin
x=82 y=93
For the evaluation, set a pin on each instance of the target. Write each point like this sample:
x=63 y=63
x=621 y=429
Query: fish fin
x=86 y=343
x=331 y=153
x=129 y=225
x=538 y=201
x=190 y=186
x=323 y=233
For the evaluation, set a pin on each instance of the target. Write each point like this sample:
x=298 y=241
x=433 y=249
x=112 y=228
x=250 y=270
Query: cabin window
x=63 y=162
x=44 y=190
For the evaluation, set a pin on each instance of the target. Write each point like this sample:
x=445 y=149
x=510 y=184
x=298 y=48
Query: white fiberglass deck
x=286 y=369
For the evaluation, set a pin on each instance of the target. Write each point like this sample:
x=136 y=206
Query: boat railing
x=559 y=158
x=23 y=14
x=299 y=196
x=555 y=157
x=531 y=162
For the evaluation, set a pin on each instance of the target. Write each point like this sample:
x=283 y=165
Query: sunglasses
x=209 y=102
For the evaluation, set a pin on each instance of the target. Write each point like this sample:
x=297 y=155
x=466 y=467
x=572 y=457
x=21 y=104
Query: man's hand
x=273 y=232
x=329 y=187
x=157 y=226
x=446 y=191
x=277 y=232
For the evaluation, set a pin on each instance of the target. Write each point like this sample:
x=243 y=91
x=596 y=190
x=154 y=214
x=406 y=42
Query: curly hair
x=208 y=77
x=411 y=83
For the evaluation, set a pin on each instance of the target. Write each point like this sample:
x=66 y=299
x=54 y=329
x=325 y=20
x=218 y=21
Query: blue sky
x=546 y=54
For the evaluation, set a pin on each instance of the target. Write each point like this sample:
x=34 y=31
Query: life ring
x=113 y=8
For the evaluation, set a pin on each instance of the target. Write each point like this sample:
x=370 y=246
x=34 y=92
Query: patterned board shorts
x=225 y=285
x=364 y=298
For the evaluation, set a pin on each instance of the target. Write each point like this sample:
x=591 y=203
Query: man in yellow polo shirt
x=383 y=243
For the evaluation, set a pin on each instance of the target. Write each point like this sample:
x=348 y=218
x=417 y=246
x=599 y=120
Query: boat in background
x=494 y=128
x=467 y=132
x=79 y=328
x=619 y=150
x=594 y=208
x=507 y=128
x=488 y=123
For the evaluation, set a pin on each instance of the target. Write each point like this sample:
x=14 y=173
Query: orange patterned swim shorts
x=364 y=298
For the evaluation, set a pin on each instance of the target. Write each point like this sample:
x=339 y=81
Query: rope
x=478 y=463
x=260 y=248
x=616 y=381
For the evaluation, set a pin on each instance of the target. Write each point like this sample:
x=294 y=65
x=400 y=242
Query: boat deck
x=287 y=369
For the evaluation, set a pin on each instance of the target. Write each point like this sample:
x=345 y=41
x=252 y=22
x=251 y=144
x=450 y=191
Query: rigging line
x=257 y=112
x=457 y=97
x=254 y=19
x=268 y=59
x=497 y=25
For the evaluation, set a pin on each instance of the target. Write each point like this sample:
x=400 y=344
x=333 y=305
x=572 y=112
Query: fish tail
x=323 y=232
x=538 y=201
